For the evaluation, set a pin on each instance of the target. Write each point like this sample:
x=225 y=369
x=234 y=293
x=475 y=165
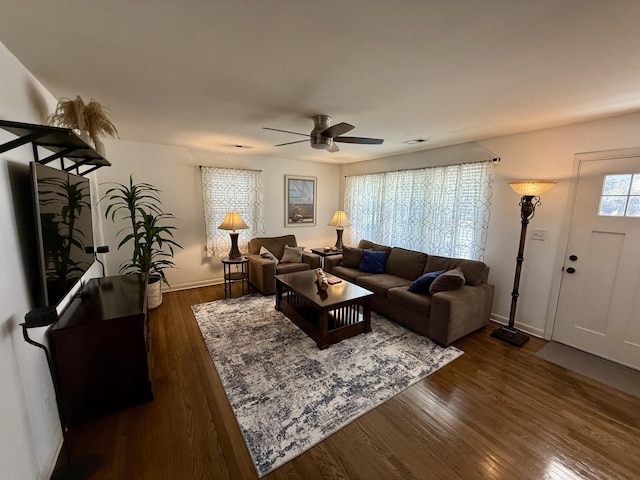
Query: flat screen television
x=62 y=203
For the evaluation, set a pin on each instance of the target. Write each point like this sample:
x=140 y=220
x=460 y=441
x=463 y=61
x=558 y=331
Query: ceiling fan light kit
x=318 y=140
x=324 y=135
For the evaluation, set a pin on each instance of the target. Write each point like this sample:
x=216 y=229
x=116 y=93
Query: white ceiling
x=210 y=74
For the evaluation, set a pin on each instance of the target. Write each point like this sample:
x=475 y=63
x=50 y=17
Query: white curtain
x=231 y=190
x=438 y=210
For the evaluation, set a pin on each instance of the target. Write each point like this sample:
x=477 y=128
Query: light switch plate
x=538 y=234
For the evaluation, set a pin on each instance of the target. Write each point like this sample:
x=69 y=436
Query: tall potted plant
x=147 y=233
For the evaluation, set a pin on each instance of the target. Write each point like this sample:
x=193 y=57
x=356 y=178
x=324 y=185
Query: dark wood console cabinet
x=100 y=349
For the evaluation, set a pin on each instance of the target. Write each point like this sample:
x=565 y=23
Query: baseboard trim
x=536 y=332
x=187 y=286
x=57 y=441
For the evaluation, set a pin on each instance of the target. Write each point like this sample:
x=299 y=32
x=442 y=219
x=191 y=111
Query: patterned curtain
x=226 y=190
x=438 y=210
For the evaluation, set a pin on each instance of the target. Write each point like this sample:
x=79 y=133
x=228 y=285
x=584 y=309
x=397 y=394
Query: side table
x=241 y=274
x=325 y=253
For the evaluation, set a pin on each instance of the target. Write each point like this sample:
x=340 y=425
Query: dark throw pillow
x=351 y=257
x=422 y=284
x=449 y=280
x=372 y=262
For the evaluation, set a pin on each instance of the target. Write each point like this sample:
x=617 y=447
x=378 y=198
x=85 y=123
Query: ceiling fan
x=324 y=135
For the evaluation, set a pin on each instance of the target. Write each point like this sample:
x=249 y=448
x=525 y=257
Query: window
x=227 y=190
x=620 y=196
x=439 y=210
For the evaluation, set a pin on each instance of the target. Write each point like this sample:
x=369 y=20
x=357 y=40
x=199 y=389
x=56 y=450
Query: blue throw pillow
x=422 y=284
x=372 y=261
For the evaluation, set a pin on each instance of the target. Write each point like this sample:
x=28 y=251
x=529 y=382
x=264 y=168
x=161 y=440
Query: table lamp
x=233 y=221
x=339 y=221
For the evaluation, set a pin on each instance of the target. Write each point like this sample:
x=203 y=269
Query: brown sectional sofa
x=263 y=270
x=444 y=316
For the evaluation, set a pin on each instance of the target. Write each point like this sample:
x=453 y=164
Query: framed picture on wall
x=300 y=195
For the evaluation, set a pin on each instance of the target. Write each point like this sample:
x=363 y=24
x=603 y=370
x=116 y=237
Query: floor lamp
x=530 y=192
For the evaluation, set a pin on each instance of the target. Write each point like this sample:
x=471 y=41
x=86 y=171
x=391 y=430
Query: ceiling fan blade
x=286 y=131
x=337 y=129
x=290 y=143
x=334 y=148
x=362 y=140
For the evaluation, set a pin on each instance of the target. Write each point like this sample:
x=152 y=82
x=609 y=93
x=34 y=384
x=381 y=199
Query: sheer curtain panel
x=437 y=210
x=226 y=190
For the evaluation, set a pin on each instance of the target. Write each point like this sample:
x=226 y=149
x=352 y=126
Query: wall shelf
x=64 y=143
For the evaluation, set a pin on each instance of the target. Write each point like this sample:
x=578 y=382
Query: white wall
x=175 y=171
x=29 y=434
x=545 y=154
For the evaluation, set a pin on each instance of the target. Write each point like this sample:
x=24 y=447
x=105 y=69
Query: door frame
x=565 y=228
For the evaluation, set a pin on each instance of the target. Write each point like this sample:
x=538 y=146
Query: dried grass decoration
x=92 y=118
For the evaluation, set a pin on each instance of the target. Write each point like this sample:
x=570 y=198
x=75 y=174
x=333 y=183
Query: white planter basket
x=154 y=294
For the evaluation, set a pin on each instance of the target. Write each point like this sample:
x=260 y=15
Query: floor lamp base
x=510 y=335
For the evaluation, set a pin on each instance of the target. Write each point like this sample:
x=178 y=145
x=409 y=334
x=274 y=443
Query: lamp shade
x=532 y=188
x=339 y=219
x=232 y=221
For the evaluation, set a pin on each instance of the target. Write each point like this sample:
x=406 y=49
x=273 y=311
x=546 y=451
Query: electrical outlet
x=538 y=234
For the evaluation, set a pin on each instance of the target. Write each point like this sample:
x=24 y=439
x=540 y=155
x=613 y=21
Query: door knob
x=571 y=270
x=573 y=258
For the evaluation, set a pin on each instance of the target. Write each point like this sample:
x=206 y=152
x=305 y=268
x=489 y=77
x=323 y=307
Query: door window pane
x=616 y=184
x=633 y=210
x=635 y=185
x=620 y=196
x=612 y=206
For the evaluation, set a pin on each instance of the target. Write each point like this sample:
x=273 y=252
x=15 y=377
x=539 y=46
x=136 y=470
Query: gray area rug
x=604 y=371
x=288 y=395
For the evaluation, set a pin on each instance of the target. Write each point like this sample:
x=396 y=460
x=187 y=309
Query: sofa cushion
x=274 y=244
x=450 y=280
x=422 y=284
x=291 y=267
x=292 y=254
x=350 y=274
x=264 y=253
x=475 y=272
x=372 y=262
x=351 y=257
x=367 y=245
x=418 y=302
x=405 y=263
x=380 y=283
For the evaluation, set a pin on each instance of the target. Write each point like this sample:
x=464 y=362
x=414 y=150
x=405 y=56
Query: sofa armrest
x=332 y=261
x=311 y=259
x=261 y=274
x=456 y=313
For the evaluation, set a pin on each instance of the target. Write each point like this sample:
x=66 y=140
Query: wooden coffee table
x=342 y=311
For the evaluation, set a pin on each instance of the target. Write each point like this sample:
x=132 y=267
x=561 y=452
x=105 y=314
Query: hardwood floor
x=497 y=412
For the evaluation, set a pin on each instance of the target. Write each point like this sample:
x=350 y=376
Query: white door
x=599 y=304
